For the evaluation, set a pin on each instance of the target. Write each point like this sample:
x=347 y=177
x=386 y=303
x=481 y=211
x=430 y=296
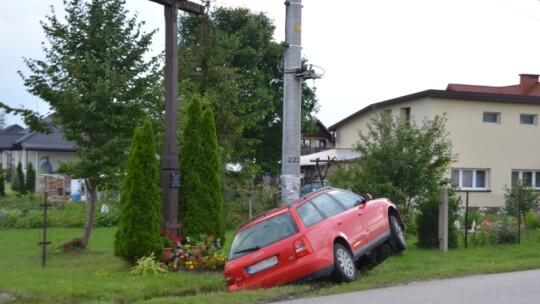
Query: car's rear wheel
x=397 y=238
x=344 y=267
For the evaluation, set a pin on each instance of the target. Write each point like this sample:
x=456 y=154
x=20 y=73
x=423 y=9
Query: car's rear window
x=262 y=234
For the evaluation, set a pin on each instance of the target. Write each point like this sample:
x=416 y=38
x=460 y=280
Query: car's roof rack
x=256 y=217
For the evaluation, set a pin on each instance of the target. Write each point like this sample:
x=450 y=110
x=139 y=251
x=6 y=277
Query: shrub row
x=532 y=219
x=67 y=215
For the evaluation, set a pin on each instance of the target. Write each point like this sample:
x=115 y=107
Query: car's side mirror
x=367 y=197
x=359 y=202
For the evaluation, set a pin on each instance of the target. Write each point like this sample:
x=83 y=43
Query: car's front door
x=346 y=221
x=371 y=214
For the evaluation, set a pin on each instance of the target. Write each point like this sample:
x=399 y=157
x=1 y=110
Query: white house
x=494 y=131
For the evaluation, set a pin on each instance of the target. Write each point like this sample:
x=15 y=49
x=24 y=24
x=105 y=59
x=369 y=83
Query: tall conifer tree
x=191 y=209
x=210 y=173
x=140 y=217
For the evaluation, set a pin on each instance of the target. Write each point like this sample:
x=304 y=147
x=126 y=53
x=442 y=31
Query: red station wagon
x=329 y=232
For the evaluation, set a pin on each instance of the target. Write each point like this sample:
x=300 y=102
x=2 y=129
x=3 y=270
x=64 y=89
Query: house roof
x=507 y=94
x=342 y=154
x=528 y=86
x=9 y=135
x=16 y=138
x=322 y=131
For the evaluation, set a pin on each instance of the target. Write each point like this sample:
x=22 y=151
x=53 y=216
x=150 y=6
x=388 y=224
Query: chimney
x=527 y=82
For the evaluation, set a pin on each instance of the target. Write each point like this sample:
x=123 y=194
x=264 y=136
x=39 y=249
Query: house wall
x=497 y=148
x=38 y=158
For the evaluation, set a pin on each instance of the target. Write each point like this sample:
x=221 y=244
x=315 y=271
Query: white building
x=494 y=131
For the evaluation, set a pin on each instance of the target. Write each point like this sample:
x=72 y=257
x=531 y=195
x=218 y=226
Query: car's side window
x=349 y=200
x=309 y=214
x=328 y=205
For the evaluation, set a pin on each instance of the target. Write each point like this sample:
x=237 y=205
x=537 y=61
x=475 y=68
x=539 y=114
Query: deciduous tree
x=98 y=85
x=520 y=198
x=400 y=159
x=230 y=59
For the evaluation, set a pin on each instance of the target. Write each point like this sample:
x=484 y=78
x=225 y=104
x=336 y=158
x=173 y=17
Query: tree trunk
x=91 y=200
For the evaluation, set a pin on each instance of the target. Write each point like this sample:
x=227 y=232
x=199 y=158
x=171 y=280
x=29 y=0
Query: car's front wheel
x=397 y=238
x=344 y=267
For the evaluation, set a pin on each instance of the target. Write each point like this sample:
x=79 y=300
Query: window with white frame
x=492 y=117
x=527 y=119
x=469 y=179
x=528 y=177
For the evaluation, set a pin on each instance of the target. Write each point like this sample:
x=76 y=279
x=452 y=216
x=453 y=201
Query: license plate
x=262 y=265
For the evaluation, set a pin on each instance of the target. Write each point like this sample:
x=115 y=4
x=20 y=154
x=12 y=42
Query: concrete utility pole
x=170 y=176
x=292 y=65
x=443 y=219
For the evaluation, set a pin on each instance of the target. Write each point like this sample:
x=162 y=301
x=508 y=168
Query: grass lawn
x=96 y=276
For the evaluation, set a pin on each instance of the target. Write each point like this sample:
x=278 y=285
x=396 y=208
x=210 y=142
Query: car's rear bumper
x=316 y=265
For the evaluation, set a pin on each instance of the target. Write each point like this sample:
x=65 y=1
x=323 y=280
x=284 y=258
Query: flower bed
x=202 y=254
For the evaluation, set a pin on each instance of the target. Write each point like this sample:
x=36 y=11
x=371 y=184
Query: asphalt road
x=507 y=288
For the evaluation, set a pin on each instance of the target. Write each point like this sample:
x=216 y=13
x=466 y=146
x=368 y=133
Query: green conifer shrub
x=17 y=180
x=192 y=211
x=139 y=223
x=30 y=178
x=2 y=183
x=210 y=174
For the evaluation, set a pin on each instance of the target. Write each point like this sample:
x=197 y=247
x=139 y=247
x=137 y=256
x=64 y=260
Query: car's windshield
x=262 y=234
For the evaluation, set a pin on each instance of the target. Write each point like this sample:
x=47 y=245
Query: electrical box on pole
x=292 y=63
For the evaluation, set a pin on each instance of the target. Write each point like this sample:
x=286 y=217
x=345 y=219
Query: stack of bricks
x=57 y=186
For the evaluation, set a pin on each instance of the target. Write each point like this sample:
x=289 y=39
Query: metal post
x=519 y=213
x=466 y=216
x=44 y=242
x=443 y=220
x=290 y=162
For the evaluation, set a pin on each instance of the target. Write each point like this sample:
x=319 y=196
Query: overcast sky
x=370 y=50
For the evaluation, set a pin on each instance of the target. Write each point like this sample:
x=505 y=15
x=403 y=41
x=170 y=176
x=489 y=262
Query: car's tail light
x=302 y=247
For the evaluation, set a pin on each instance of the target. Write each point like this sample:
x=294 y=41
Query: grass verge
x=96 y=276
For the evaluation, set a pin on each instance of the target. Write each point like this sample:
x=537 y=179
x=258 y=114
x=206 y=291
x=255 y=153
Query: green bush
x=30 y=219
x=411 y=221
x=109 y=219
x=64 y=215
x=9 y=218
x=532 y=219
x=504 y=235
x=428 y=223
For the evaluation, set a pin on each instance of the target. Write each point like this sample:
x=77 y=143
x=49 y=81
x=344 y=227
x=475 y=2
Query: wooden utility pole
x=170 y=176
